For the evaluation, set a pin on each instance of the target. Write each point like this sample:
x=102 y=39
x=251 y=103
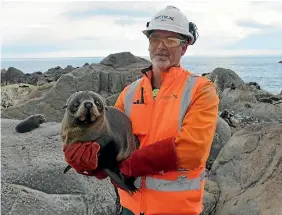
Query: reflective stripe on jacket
x=186 y=107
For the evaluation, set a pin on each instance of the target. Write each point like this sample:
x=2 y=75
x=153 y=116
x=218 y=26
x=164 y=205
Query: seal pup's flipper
x=121 y=182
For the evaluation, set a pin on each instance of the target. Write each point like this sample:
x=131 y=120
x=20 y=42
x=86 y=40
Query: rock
x=121 y=60
x=248 y=171
x=13 y=94
x=12 y=76
x=247 y=104
x=222 y=135
x=280 y=61
x=38 y=91
x=111 y=100
x=54 y=74
x=211 y=197
x=224 y=78
x=96 y=77
x=33 y=181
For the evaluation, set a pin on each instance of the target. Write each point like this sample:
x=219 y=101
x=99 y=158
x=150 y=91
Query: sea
x=265 y=70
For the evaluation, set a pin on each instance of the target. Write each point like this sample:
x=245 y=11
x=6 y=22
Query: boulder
x=224 y=78
x=12 y=76
x=248 y=172
x=121 y=60
x=33 y=181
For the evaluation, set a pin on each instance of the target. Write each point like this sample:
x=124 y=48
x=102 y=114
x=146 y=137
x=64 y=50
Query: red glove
x=83 y=158
x=151 y=159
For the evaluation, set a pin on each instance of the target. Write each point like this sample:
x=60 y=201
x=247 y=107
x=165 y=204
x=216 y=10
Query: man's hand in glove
x=83 y=157
x=151 y=159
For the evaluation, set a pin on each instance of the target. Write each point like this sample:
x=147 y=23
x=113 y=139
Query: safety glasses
x=168 y=41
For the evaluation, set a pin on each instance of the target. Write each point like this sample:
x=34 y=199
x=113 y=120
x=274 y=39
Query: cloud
x=107 y=12
x=40 y=29
x=268 y=39
x=252 y=24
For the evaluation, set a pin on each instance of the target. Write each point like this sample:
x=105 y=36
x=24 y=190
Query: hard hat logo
x=172 y=19
x=164 y=17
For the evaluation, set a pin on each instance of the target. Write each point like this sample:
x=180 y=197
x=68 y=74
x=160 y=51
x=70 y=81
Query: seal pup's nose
x=88 y=105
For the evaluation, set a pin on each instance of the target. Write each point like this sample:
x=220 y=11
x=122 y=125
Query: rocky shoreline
x=244 y=168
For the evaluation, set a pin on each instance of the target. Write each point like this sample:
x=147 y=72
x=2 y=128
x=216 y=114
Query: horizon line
x=235 y=55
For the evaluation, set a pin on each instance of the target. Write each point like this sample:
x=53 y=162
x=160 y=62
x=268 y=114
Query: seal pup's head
x=84 y=117
x=85 y=107
x=38 y=118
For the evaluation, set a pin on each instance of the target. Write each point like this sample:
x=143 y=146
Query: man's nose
x=161 y=45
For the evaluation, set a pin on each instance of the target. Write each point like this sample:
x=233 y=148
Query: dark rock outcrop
x=11 y=76
x=14 y=76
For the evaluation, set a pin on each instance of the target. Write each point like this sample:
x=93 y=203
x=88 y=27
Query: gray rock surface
x=248 y=171
x=33 y=181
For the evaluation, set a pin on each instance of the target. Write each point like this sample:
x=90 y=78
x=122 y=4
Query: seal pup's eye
x=97 y=102
x=76 y=104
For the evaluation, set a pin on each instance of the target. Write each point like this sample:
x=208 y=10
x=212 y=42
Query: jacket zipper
x=143 y=208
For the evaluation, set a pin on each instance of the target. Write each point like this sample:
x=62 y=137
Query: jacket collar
x=167 y=77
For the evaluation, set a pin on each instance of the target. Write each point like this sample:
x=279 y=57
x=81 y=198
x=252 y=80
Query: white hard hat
x=171 y=19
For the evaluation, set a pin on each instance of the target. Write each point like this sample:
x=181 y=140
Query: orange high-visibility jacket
x=186 y=107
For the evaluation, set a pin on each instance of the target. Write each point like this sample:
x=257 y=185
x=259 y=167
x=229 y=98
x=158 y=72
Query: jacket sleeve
x=193 y=144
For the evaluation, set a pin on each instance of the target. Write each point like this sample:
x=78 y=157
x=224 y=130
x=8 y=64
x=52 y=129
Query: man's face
x=163 y=56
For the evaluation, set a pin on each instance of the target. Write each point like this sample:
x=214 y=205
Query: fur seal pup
x=30 y=123
x=87 y=118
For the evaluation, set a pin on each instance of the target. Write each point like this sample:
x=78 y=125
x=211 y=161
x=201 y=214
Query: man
x=174 y=115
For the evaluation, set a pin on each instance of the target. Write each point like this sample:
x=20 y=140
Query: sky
x=38 y=29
